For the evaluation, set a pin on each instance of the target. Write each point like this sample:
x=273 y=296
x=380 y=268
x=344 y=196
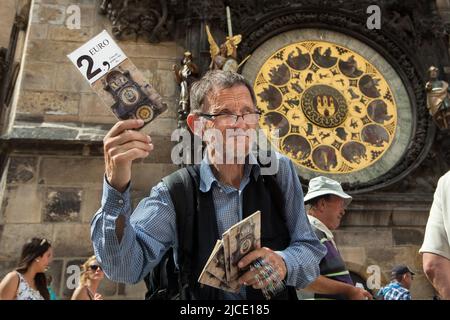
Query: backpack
x=162 y=281
x=166 y=281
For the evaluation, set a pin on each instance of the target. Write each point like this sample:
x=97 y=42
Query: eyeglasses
x=231 y=119
x=94 y=267
x=43 y=241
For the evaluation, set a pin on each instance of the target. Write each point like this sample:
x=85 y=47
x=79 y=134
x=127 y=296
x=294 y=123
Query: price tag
x=97 y=56
x=116 y=80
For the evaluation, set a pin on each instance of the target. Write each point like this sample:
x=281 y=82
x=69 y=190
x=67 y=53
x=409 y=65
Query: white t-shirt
x=437 y=233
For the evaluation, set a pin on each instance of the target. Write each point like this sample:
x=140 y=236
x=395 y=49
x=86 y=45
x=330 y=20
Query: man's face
x=433 y=73
x=407 y=280
x=333 y=209
x=236 y=136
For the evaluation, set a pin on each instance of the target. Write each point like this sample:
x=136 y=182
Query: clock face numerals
x=334 y=110
x=129 y=95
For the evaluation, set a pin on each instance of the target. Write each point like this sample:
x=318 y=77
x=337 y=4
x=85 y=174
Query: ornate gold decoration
x=145 y=113
x=223 y=57
x=324 y=106
x=334 y=110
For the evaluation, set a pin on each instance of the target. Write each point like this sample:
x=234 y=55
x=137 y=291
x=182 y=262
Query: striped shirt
x=150 y=230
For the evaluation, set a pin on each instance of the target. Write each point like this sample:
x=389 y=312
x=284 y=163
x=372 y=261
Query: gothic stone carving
x=148 y=18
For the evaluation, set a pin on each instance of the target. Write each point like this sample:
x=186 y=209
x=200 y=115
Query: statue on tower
x=185 y=75
x=438 y=99
x=225 y=57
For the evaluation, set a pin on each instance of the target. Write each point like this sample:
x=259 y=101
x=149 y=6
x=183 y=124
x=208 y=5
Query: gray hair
x=213 y=81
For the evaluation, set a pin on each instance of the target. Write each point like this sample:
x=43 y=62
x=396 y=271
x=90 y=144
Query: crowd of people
x=30 y=279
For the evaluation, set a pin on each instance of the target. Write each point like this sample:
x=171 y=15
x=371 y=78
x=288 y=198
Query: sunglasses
x=94 y=267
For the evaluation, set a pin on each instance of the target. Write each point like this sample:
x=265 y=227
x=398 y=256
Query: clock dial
x=145 y=113
x=129 y=95
x=349 y=116
x=336 y=104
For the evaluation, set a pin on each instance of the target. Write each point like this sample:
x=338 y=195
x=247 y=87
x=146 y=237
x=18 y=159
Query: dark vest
x=331 y=266
x=264 y=195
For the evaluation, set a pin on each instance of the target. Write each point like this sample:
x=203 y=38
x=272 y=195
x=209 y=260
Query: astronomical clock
x=330 y=103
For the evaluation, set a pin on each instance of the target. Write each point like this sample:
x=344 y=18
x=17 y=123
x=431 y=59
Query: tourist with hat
x=398 y=288
x=326 y=202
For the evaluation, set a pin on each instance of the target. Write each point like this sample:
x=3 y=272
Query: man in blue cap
x=326 y=202
x=398 y=288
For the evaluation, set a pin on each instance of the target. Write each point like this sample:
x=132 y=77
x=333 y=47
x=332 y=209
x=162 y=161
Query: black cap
x=401 y=270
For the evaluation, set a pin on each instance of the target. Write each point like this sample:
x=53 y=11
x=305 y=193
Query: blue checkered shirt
x=150 y=230
x=394 y=291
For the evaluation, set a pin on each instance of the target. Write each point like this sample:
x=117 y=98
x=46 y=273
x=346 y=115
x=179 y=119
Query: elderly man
x=326 y=206
x=129 y=245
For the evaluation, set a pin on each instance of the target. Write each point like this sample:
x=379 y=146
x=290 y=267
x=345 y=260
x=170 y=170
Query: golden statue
x=225 y=56
x=438 y=98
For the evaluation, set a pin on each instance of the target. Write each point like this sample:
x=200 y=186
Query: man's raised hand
x=122 y=145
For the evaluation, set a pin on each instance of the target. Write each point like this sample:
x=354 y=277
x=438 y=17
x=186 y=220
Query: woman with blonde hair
x=28 y=280
x=90 y=278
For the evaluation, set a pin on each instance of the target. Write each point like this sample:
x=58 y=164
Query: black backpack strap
x=272 y=185
x=182 y=186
